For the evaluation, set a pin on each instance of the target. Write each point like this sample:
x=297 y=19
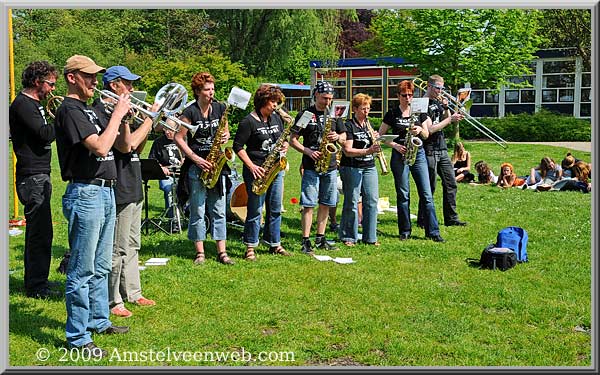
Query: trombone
x=461 y=105
x=136 y=107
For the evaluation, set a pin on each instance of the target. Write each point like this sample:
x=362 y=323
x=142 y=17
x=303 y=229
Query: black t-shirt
x=31 y=136
x=312 y=135
x=129 y=169
x=362 y=139
x=435 y=141
x=400 y=124
x=202 y=141
x=75 y=121
x=258 y=137
x=165 y=150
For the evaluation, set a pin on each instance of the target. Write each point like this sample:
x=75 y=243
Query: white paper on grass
x=157 y=261
x=343 y=260
x=141 y=268
x=323 y=258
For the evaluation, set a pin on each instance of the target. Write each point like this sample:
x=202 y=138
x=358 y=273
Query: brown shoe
x=250 y=256
x=224 y=258
x=199 y=258
x=279 y=250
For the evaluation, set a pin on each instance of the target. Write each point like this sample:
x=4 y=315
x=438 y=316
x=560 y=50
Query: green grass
x=413 y=303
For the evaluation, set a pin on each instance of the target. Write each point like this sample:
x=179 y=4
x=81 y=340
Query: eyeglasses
x=51 y=84
x=437 y=87
x=406 y=95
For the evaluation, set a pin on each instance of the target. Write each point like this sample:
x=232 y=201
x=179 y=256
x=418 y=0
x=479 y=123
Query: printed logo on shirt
x=108 y=157
x=93 y=119
x=43 y=113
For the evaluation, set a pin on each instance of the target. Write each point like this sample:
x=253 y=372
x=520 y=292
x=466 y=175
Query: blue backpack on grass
x=514 y=238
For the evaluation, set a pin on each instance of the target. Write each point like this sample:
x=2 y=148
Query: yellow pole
x=11 y=67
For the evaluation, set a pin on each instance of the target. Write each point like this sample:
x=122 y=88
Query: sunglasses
x=437 y=87
x=51 y=84
x=406 y=95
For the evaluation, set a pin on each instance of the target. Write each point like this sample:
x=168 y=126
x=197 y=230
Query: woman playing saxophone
x=207 y=114
x=401 y=121
x=256 y=138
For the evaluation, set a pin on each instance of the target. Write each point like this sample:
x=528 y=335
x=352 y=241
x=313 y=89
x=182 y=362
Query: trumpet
x=462 y=105
x=53 y=103
x=136 y=107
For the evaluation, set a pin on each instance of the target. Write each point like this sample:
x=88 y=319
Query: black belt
x=97 y=181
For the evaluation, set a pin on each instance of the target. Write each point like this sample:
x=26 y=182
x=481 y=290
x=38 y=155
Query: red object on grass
x=17 y=223
x=294 y=200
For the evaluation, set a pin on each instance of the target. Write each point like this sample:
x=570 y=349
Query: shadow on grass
x=31 y=321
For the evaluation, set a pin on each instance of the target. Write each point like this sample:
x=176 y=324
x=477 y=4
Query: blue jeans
x=90 y=211
x=272 y=200
x=318 y=188
x=420 y=174
x=357 y=182
x=166 y=186
x=204 y=200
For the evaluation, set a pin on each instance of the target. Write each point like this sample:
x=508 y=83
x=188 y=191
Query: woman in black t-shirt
x=398 y=119
x=256 y=136
x=359 y=176
x=206 y=113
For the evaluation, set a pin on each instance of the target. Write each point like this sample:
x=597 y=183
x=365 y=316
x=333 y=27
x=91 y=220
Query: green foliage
x=568 y=28
x=543 y=126
x=480 y=46
x=409 y=304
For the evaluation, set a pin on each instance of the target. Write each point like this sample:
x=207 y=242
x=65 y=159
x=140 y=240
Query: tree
x=278 y=43
x=568 y=28
x=479 y=46
x=355 y=32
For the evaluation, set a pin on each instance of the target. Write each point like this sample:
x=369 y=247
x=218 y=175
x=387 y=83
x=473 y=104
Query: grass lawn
x=412 y=303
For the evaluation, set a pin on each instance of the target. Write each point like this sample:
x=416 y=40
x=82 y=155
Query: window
x=511 y=96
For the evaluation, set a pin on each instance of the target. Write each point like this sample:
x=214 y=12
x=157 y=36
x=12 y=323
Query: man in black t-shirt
x=436 y=151
x=165 y=150
x=86 y=160
x=32 y=138
x=317 y=188
x=124 y=279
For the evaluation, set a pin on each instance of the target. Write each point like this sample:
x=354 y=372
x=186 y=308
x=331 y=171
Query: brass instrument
x=53 y=103
x=326 y=148
x=275 y=161
x=216 y=156
x=411 y=142
x=462 y=105
x=380 y=155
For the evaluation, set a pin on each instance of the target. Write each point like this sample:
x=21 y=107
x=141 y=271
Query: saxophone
x=216 y=156
x=275 y=161
x=411 y=142
x=326 y=148
x=380 y=155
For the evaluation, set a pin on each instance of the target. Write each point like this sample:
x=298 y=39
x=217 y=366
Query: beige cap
x=83 y=64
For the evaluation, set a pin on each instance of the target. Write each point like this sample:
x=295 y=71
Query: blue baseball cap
x=118 y=71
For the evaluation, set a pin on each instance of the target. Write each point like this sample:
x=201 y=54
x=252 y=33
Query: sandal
x=377 y=243
x=224 y=258
x=279 y=250
x=349 y=243
x=250 y=256
x=199 y=258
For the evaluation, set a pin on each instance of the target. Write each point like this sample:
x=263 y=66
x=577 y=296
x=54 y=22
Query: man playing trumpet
x=124 y=279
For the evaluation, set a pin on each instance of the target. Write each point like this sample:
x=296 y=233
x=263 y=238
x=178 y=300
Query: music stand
x=151 y=170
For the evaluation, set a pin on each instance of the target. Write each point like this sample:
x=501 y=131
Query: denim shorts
x=319 y=189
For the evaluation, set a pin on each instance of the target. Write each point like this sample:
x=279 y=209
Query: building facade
x=561 y=83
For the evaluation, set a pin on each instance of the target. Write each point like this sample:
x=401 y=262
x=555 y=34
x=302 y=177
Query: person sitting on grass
x=543 y=176
x=508 y=178
x=579 y=182
x=485 y=175
x=568 y=164
x=461 y=161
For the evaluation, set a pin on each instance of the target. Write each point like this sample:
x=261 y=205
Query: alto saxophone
x=326 y=148
x=275 y=161
x=411 y=142
x=216 y=156
x=380 y=155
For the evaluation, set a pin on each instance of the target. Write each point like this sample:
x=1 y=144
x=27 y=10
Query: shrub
x=539 y=127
